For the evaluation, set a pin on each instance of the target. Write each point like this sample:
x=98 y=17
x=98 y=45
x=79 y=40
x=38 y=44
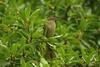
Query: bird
x=50 y=28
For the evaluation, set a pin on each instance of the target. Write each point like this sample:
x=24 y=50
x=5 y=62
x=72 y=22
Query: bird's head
x=52 y=18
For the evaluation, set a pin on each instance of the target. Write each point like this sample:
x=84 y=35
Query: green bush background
x=77 y=38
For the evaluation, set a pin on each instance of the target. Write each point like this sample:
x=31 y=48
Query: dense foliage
x=76 y=41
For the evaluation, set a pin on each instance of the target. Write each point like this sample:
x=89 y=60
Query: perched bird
x=50 y=27
x=49 y=32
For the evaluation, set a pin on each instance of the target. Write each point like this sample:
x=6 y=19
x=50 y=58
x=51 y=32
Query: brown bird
x=49 y=32
x=50 y=27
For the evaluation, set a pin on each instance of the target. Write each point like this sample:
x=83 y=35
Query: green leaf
x=28 y=11
x=4 y=55
x=23 y=63
x=43 y=63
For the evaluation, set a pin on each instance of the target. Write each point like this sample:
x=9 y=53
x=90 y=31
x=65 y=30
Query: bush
x=76 y=41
